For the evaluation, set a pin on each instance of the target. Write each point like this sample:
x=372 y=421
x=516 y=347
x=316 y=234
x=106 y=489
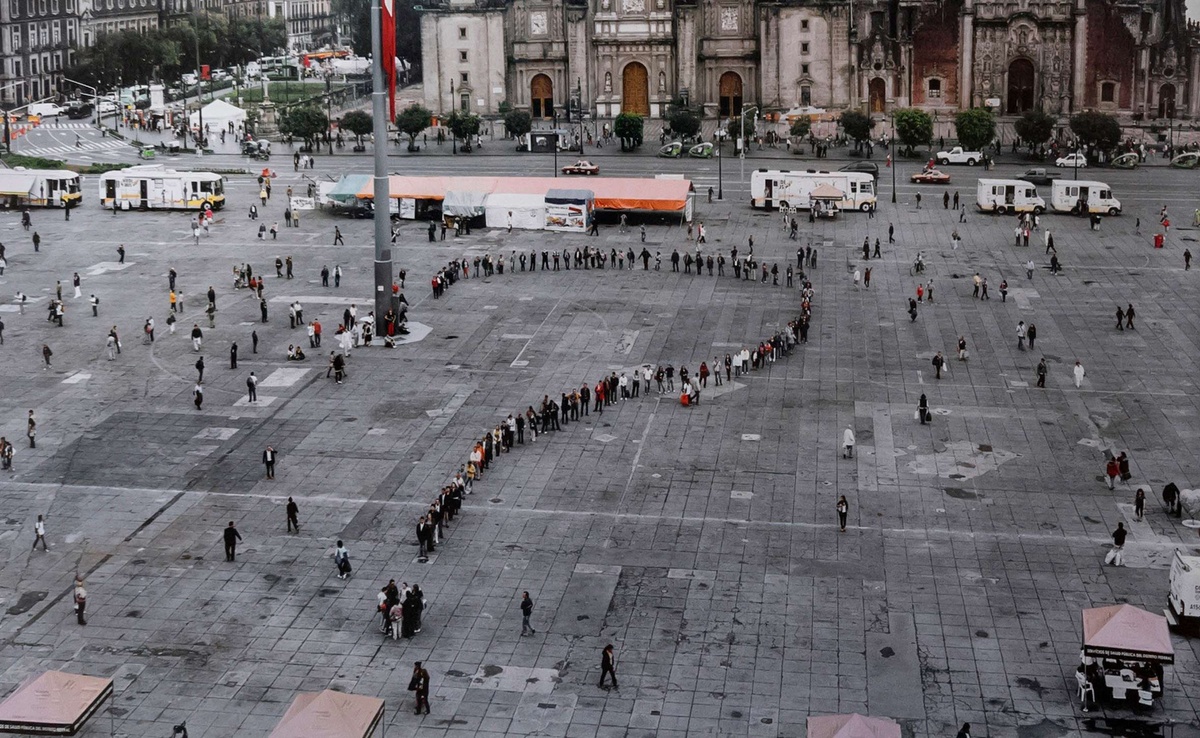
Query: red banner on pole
x=388 y=31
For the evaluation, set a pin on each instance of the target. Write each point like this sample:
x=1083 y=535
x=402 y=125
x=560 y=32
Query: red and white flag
x=387 y=11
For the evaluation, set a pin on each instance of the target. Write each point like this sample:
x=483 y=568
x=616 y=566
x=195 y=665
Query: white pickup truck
x=956 y=155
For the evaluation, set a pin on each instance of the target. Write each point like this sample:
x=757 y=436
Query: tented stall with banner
x=218 y=114
x=527 y=211
x=1124 y=651
x=55 y=703
x=463 y=204
x=569 y=210
x=330 y=714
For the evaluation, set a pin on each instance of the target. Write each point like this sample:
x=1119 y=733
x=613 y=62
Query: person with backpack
x=341 y=557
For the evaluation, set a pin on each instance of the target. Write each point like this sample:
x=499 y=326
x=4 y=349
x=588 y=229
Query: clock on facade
x=634 y=6
x=729 y=19
x=537 y=22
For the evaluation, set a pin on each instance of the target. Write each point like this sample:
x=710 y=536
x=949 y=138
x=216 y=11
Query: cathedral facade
x=1135 y=58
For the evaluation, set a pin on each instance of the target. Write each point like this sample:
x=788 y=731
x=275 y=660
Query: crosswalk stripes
x=92 y=146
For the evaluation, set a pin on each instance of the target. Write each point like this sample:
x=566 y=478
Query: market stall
x=1124 y=651
x=527 y=211
x=463 y=204
x=217 y=115
x=825 y=201
x=55 y=703
x=852 y=726
x=330 y=714
x=569 y=210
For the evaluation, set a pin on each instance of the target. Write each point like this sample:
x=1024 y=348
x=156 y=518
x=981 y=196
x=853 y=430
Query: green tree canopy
x=736 y=127
x=359 y=123
x=463 y=125
x=800 y=127
x=306 y=122
x=1097 y=129
x=857 y=125
x=518 y=122
x=914 y=128
x=628 y=128
x=976 y=128
x=1035 y=127
x=683 y=121
x=412 y=121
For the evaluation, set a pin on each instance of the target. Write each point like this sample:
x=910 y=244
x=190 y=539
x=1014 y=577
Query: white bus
x=1071 y=195
x=47 y=188
x=774 y=188
x=158 y=188
x=1008 y=196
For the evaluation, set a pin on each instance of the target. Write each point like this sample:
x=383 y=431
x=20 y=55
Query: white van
x=1004 y=196
x=46 y=110
x=1184 y=597
x=1072 y=195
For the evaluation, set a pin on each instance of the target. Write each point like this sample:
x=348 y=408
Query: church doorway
x=635 y=90
x=1166 y=101
x=730 y=90
x=541 y=97
x=877 y=95
x=1020 y=86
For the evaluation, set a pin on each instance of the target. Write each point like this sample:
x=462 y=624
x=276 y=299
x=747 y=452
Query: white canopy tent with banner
x=55 y=703
x=217 y=115
x=528 y=210
x=464 y=204
x=1124 y=650
x=330 y=714
x=825 y=199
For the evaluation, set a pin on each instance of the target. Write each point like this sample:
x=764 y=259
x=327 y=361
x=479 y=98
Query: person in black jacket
x=526 y=611
x=231 y=538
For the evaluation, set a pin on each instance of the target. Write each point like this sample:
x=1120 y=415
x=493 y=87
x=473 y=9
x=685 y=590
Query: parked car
x=957 y=155
x=79 y=110
x=1070 y=161
x=701 y=151
x=1038 y=176
x=931 y=176
x=583 y=166
x=672 y=150
x=867 y=167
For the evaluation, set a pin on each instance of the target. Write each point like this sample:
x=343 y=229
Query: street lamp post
x=742 y=138
x=579 y=104
x=329 y=109
x=554 y=145
x=453 y=138
x=893 y=157
x=95 y=96
x=720 y=174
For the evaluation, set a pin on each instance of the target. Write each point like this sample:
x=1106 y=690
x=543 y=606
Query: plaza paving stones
x=701 y=542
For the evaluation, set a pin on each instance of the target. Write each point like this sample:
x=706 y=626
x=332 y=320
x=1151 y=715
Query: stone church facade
x=1137 y=58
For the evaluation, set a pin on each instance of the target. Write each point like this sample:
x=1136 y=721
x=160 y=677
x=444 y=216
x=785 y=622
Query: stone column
x=1079 y=58
x=1194 y=86
x=966 y=56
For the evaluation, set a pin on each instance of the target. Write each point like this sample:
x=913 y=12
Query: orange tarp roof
x=612 y=193
x=330 y=714
x=1124 y=630
x=54 y=703
x=852 y=726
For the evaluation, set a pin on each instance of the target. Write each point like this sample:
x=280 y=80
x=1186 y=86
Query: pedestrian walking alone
x=268 y=459
x=231 y=540
x=80 y=596
x=608 y=665
x=419 y=686
x=1078 y=374
x=843 y=508
x=39 y=533
x=293 y=516
x=1112 y=469
x=341 y=557
x=1139 y=503
x=526 y=611
x=848 y=443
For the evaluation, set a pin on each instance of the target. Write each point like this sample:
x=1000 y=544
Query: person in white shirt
x=39 y=532
x=848 y=443
x=1078 y=374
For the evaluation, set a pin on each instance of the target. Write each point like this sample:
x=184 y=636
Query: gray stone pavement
x=700 y=541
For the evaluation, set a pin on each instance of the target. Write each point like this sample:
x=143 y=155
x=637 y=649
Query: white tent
x=218 y=114
x=528 y=210
x=463 y=203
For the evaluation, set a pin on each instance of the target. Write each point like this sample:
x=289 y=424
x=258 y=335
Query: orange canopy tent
x=1124 y=631
x=852 y=726
x=330 y=714
x=611 y=193
x=55 y=703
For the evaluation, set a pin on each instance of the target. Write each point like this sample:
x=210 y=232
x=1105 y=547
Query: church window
x=1108 y=92
x=804 y=47
x=877 y=22
x=934 y=87
x=805 y=95
x=804 y=25
x=462 y=56
x=465 y=78
x=462 y=32
x=803 y=69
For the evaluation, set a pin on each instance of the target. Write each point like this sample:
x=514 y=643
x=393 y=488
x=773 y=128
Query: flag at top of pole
x=387 y=12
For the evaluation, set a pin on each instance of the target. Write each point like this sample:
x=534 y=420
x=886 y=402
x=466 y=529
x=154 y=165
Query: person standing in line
x=419 y=685
x=31 y=430
x=608 y=665
x=39 y=533
x=1078 y=374
x=526 y=611
x=268 y=458
x=843 y=509
x=293 y=516
x=1041 y=372
x=231 y=538
x=1139 y=503
x=80 y=597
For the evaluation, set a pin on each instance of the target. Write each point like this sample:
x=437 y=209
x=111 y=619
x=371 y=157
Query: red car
x=931 y=176
x=583 y=166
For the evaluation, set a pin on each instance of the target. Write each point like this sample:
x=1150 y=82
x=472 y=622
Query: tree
x=1097 y=130
x=800 y=127
x=306 y=122
x=914 y=128
x=684 y=122
x=518 y=122
x=463 y=125
x=737 y=127
x=1035 y=127
x=857 y=126
x=412 y=121
x=976 y=128
x=628 y=128
x=359 y=123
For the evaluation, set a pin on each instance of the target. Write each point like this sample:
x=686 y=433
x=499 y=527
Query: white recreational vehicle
x=1074 y=195
x=1008 y=196
x=158 y=188
x=48 y=188
x=773 y=188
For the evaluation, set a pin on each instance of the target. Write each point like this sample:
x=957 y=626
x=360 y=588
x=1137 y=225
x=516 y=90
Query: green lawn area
x=286 y=92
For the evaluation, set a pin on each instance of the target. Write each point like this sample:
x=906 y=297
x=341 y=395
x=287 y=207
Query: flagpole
x=383 y=215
